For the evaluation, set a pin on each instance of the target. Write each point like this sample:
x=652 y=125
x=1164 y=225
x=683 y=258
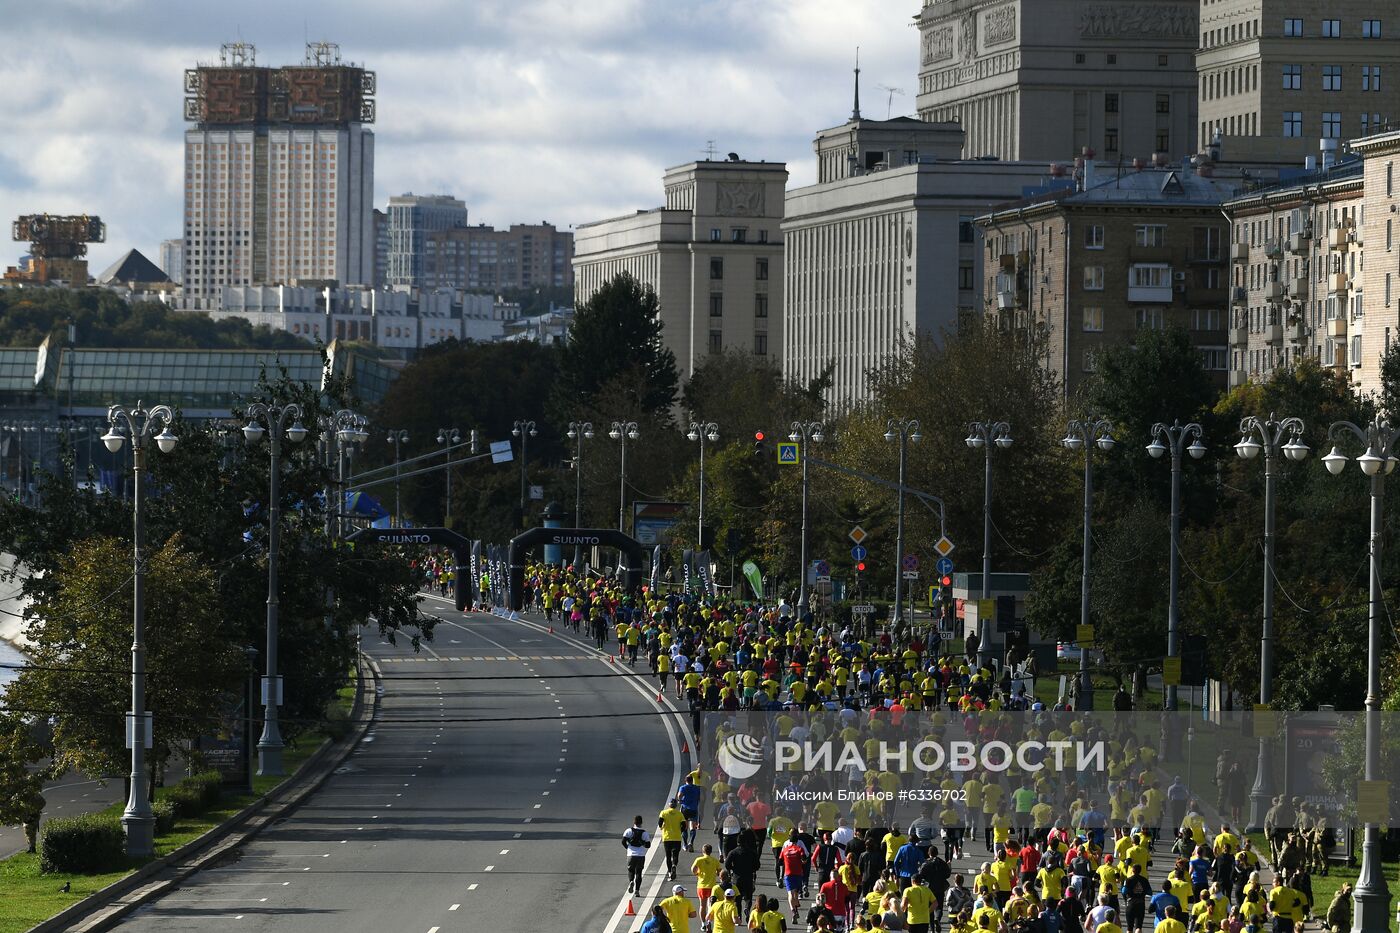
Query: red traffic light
x=758 y=435
x=860 y=566
x=947 y=580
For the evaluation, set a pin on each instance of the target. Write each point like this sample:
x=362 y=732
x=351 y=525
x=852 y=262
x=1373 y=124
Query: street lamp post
x=1371 y=896
x=906 y=431
x=140 y=424
x=397 y=438
x=985 y=435
x=270 y=743
x=802 y=432
x=350 y=429
x=1085 y=435
x=622 y=432
x=579 y=431
x=451 y=437
x=702 y=431
x=1175 y=438
x=1272 y=436
x=523 y=430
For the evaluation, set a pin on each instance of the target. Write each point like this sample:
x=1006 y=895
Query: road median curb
x=102 y=909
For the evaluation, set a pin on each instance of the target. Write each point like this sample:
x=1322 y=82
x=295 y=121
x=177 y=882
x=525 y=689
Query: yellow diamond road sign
x=943 y=546
x=858 y=534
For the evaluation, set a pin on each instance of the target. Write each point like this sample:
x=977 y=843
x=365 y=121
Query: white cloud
x=526 y=109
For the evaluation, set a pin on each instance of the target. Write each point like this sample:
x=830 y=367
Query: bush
x=86 y=844
x=185 y=800
x=165 y=816
x=210 y=785
x=337 y=725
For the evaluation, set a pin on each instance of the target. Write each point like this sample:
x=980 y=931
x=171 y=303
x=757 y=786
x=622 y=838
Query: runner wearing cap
x=724 y=913
x=679 y=909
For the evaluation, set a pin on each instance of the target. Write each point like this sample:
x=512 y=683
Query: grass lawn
x=1324 y=887
x=29 y=896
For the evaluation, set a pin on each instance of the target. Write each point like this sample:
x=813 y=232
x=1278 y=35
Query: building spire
x=855 y=111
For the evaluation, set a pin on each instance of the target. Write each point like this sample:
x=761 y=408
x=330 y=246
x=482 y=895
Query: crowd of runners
x=1043 y=848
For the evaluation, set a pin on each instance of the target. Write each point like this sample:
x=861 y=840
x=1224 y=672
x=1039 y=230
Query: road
x=437 y=824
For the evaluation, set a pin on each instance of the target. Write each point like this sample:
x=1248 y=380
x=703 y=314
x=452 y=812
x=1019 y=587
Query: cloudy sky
x=528 y=110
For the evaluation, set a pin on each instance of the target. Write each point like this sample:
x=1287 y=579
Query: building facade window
x=1091 y=361
x=716 y=341
x=1293 y=27
x=1331 y=77
x=1093 y=320
x=760 y=268
x=1370 y=77
x=1150 y=276
x=966 y=231
x=1370 y=29
x=1093 y=278
x=1151 y=319
x=1331 y=29
x=1292 y=77
x=966 y=278
x=1207 y=319
x=1164 y=103
x=714 y=234
x=1151 y=234
x=760 y=305
x=739 y=235
x=1093 y=236
x=716 y=305
x=1110 y=102
x=1110 y=140
x=1214 y=358
x=1292 y=123
x=1164 y=142
x=760 y=344
x=1331 y=124
x=716 y=267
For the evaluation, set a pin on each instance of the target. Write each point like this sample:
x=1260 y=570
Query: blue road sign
x=823 y=568
x=859 y=552
x=911 y=563
x=945 y=566
x=789 y=453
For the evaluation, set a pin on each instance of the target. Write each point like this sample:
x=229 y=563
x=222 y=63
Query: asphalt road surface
x=435 y=824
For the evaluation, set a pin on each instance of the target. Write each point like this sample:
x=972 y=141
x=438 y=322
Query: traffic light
x=860 y=566
x=760 y=446
x=947 y=580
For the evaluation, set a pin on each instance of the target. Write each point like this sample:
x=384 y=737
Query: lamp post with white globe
x=801 y=433
x=622 y=432
x=1085 y=435
x=1272 y=436
x=906 y=431
x=702 y=431
x=1176 y=435
x=1371 y=896
x=139 y=424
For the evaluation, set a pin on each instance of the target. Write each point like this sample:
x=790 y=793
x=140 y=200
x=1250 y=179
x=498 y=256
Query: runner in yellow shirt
x=724 y=914
x=706 y=870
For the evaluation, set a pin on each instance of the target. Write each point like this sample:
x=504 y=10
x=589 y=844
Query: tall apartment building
x=412 y=217
x=171 y=259
x=1298 y=289
x=1041 y=79
x=481 y=257
x=714 y=255
x=1293 y=72
x=279 y=173
x=883 y=248
x=1142 y=250
x=381 y=248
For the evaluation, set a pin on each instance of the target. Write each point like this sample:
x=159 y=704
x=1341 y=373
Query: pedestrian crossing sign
x=788 y=452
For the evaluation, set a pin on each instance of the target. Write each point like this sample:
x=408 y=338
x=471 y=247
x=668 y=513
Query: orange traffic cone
x=685 y=748
x=658 y=696
x=551 y=630
x=631 y=911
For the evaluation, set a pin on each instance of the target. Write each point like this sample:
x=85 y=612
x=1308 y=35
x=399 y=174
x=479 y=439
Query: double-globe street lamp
x=906 y=431
x=451 y=437
x=524 y=430
x=1085 y=435
x=801 y=433
x=1371 y=896
x=398 y=438
x=622 y=432
x=1172 y=439
x=702 y=431
x=984 y=435
x=140 y=424
x=276 y=418
x=579 y=431
x=1273 y=437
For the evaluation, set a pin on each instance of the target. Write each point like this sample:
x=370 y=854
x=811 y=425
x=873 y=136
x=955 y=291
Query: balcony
x=1273 y=291
x=1273 y=249
x=1240 y=256
x=1008 y=261
x=1238 y=377
x=1273 y=334
x=1006 y=301
x=1296 y=331
x=1338 y=282
x=1337 y=328
x=1239 y=336
x=1298 y=288
x=1239 y=295
x=1355 y=238
x=1337 y=238
x=1149 y=293
x=1298 y=243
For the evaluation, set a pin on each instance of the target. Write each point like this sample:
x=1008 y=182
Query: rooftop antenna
x=710 y=150
x=855 y=110
x=889 y=104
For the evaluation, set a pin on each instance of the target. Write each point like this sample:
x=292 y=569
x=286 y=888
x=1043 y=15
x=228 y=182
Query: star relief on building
x=739 y=199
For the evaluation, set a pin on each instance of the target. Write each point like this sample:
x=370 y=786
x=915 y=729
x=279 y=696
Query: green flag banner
x=755 y=578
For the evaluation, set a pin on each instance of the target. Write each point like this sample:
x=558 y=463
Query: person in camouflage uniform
x=1338 y=918
x=1278 y=822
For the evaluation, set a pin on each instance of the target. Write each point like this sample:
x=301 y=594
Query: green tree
x=616 y=337
x=21 y=785
x=81 y=642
